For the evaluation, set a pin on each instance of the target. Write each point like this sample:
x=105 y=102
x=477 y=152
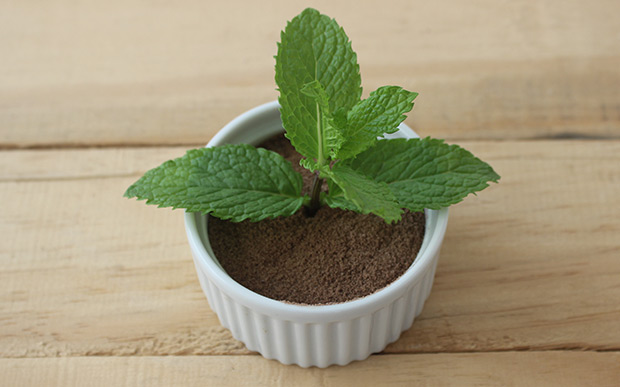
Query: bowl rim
x=436 y=224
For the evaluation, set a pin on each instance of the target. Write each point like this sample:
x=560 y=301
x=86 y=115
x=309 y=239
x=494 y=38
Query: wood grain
x=505 y=369
x=134 y=72
x=97 y=290
x=531 y=263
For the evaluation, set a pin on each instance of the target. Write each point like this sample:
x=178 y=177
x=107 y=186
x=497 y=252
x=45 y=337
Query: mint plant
x=339 y=136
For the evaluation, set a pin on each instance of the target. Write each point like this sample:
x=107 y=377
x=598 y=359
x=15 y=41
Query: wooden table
x=98 y=290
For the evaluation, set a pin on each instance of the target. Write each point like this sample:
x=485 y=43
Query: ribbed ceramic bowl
x=319 y=335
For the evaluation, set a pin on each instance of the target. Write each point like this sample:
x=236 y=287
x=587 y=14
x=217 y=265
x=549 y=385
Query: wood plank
x=131 y=72
x=88 y=163
x=531 y=263
x=506 y=369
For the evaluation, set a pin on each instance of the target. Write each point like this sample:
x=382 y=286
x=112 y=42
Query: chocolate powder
x=333 y=257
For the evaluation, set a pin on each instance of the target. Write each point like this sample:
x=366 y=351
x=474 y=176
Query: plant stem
x=315 y=198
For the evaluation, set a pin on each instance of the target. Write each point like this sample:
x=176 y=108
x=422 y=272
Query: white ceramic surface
x=311 y=335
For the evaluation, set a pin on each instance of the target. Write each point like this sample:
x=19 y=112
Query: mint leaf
x=314 y=48
x=332 y=137
x=368 y=196
x=315 y=90
x=424 y=173
x=235 y=182
x=335 y=198
x=378 y=114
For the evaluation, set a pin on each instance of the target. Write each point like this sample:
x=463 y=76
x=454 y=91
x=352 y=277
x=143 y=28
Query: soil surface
x=333 y=257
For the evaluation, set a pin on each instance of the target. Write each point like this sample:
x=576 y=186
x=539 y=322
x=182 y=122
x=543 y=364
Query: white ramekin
x=319 y=335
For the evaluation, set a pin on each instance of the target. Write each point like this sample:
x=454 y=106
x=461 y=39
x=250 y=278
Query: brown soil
x=335 y=256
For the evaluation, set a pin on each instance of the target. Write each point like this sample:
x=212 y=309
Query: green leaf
x=314 y=48
x=335 y=198
x=378 y=114
x=316 y=91
x=332 y=136
x=366 y=195
x=425 y=173
x=235 y=182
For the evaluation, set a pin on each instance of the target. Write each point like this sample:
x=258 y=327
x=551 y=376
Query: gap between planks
x=245 y=352
x=562 y=136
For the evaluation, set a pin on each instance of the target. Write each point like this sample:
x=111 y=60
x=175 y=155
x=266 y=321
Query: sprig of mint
x=336 y=132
